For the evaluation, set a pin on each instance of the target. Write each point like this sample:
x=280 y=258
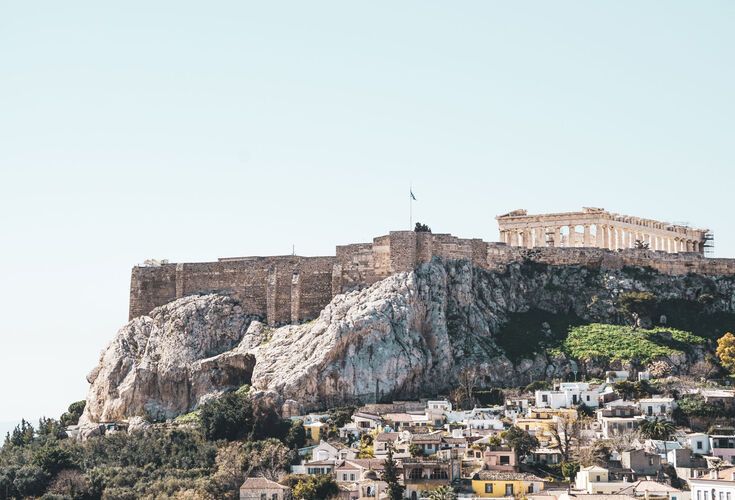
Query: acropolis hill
x=292 y=289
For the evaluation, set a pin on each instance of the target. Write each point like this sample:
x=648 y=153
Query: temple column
x=539 y=237
x=587 y=236
x=527 y=240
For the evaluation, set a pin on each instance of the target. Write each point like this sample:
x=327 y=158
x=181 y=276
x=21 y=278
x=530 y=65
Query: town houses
x=572 y=440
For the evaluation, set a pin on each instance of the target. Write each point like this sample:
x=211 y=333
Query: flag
x=412 y=196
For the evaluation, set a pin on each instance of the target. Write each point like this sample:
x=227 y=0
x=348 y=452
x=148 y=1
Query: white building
x=657 y=407
x=441 y=405
x=717 y=485
x=569 y=395
x=596 y=480
x=698 y=442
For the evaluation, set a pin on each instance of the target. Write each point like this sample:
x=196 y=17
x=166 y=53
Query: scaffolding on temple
x=709 y=243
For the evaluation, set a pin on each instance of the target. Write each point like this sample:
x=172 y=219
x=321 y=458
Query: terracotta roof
x=362 y=463
x=387 y=436
x=261 y=483
x=398 y=417
x=647 y=486
x=426 y=438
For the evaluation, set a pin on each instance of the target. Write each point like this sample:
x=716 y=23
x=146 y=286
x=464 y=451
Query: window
x=504 y=460
x=509 y=490
x=545 y=398
x=588 y=397
x=352 y=477
x=597 y=478
x=530 y=488
x=414 y=474
x=439 y=474
x=699 y=445
x=488 y=487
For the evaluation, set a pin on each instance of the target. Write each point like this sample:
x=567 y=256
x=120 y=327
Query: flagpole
x=410 y=206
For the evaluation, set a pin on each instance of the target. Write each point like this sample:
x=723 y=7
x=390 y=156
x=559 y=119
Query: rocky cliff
x=411 y=334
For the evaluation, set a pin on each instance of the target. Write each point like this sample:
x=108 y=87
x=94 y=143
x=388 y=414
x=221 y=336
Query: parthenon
x=596 y=227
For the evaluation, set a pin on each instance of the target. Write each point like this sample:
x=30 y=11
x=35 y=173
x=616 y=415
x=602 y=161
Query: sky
x=196 y=130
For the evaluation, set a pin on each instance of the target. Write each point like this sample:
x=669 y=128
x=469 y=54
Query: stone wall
x=291 y=289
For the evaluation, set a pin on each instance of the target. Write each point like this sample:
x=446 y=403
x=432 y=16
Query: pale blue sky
x=193 y=130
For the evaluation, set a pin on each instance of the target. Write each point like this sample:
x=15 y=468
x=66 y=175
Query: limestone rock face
x=161 y=365
x=411 y=334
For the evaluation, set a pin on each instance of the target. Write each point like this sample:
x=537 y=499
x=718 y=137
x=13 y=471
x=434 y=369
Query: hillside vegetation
x=621 y=342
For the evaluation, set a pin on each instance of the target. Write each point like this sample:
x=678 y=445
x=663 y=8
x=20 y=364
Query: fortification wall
x=280 y=289
x=291 y=289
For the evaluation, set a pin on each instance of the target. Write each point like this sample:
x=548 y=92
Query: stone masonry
x=292 y=289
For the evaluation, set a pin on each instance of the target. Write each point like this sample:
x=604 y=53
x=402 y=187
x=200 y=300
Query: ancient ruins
x=291 y=288
x=596 y=227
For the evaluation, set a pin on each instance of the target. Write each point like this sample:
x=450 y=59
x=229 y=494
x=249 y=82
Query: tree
x=564 y=433
x=415 y=450
x=390 y=476
x=442 y=493
x=642 y=245
x=22 y=435
x=658 y=429
x=48 y=428
x=7 y=487
x=317 y=487
x=52 y=458
x=71 y=484
x=521 y=441
x=584 y=411
x=71 y=416
x=464 y=394
x=30 y=480
x=421 y=228
x=296 y=437
x=269 y=458
x=726 y=351
x=366 y=447
x=596 y=454
x=569 y=469
x=228 y=417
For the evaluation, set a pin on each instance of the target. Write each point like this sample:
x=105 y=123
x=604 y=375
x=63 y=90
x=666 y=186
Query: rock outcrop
x=411 y=334
x=162 y=365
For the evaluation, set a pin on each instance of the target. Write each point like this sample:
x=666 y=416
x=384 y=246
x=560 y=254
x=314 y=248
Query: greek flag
x=412 y=196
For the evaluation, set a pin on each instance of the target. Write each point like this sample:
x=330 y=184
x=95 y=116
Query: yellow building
x=539 y=427
x=315 y=431
x=496 y=484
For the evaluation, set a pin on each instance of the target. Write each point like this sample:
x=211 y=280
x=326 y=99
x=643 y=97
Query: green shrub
x=618 y=342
